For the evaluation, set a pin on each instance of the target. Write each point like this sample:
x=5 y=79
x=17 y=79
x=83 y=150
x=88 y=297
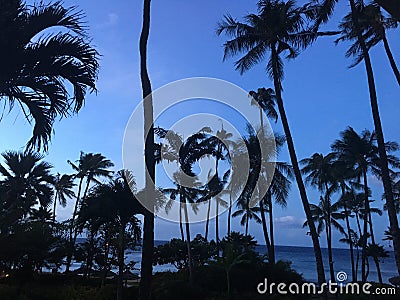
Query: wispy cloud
x=110 y=21
x=289 y=222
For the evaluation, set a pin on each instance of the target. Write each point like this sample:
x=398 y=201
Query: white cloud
x=289 y=222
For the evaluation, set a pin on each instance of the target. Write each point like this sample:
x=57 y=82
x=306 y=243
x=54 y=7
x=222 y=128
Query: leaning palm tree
x=354 y=33
x=63 y=187
x=40 y=63
x=275 y=29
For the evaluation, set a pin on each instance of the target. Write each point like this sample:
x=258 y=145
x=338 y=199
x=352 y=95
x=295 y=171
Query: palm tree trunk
x=190 y=265
x=208 y=219
x=180 y=222
x=365 y=230
x=148 y=224
x=229 y=213
x=106 y=253
x=375 y=258
x=391 y=58
x=247 y=224
x=217 y=225
x=54 y=208
x=328 y=230
x=353 y=271
x=271 y=229
x=265 y=231
x=387 y=185
x=71 y=228
x=121 y=261
x=297 y=173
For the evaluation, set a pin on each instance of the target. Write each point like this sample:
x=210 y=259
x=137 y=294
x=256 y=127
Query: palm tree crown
x=36 y=66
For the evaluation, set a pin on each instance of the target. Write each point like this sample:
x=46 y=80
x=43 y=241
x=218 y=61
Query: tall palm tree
x=90 y=166
x=326 y=214
x=63 y=187
x=146 y=270
x=325 y=11
x=373 y=25
x=274 y=29
x=318 y=171
x=27 y=181
x=360 y=153
x=39 y=66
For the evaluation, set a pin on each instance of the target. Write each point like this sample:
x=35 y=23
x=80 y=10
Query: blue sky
x=322 y=96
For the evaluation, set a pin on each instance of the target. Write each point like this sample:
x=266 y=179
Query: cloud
x=111 y=20
x=289 y=222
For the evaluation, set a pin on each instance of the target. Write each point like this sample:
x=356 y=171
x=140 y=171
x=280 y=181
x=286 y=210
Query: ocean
x=303 y=261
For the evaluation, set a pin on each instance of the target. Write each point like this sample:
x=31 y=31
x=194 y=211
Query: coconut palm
x=63 y=188
x=275 y=29
x=27 y=181
x=354 y=33
x=326 y=215
x=90 y=166
x=40 y=65
x=373 y=25
x=188 y=194
x=248 y=213
x=360 y=153
x=114 y=205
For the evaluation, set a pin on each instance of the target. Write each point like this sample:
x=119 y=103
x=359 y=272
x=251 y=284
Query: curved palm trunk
x=365 y=230
x=390 y=203
x=297 y=173
x=265 y=231
x=271 y=229
x=71 y=228
x=391 y=59
x=148 y=224
x=208 y=219
x=189 y=250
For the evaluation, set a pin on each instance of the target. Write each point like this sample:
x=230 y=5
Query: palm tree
x=248 y=213
x=27 y=181
x=188 y=195
x=113 y=204
x=326 y=214
x=63 y=187
x=148 y=224
x=89 y=167
x=360 y=153
x=274 y=29
x=39 y=66
x=373 y=25
x=325 y=11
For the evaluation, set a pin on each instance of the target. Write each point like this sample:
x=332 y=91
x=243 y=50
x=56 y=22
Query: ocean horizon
x=301 y=258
